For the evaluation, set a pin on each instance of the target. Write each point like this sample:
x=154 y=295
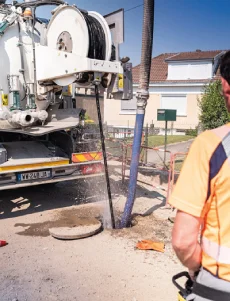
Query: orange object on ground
x=151 y=245
x=3 y=243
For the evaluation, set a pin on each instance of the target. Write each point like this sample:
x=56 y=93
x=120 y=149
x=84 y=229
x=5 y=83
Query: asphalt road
x=157 y=157
x=104 y=267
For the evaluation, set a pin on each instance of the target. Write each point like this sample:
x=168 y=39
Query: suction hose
x=142 y=97
x=22 y=119
x=27 y=118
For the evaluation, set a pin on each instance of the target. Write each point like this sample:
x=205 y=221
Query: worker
x=201 y=232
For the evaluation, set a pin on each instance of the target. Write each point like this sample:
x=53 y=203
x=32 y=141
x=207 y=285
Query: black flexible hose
x=97 y=45
x=111 y=221
x=39 y=3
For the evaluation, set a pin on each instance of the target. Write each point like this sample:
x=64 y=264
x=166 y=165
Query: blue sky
x=180 y=25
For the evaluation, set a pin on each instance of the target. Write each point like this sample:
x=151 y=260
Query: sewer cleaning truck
x=42 y=64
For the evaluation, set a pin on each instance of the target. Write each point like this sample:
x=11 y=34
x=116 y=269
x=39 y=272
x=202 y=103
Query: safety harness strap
x=210 y=293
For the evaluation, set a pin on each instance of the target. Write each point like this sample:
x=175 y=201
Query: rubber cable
x=97 y=44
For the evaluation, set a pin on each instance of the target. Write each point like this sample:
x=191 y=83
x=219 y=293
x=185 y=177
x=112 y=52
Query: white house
x=177 y=81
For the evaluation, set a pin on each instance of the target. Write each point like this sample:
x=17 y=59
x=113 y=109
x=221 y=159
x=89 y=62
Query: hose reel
x=85 y=34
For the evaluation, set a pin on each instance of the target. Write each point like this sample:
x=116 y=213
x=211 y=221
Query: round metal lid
x=83 y=227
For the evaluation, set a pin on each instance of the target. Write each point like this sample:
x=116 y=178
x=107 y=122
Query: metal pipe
x=26 y=118
x=34 y=54
x=4 y=115
x=21 y=118
x=40 y=115
x=142 y=97
x=20 y=45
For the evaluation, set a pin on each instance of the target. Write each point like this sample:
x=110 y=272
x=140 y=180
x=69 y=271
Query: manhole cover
x=83 y=228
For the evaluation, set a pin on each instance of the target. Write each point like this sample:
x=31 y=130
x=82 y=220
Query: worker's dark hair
x=225 y=67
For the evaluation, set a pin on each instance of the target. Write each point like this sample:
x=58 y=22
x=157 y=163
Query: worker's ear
x=225 y=84
x=226 y=92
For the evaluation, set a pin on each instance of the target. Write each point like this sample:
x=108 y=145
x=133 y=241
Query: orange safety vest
x=203 y=190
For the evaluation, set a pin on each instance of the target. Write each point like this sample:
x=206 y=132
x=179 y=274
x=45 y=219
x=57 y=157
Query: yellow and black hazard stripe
x=86 y=157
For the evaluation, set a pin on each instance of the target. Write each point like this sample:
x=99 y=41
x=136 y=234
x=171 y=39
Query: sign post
x=166 y=115
x=166 y=134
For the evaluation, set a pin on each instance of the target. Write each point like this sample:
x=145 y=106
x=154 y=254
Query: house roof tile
x=159 y=66
x=195 y=55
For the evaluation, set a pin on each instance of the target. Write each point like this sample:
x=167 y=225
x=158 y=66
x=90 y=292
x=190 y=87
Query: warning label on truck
x=5 y=99
x=120 y=81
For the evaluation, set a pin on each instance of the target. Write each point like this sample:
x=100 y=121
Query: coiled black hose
x=97 y=44
x=38 y=3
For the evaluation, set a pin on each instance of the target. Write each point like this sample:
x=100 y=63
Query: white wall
x=186 y=120
x=190 y=70
x=174 y=88
x=175 y=102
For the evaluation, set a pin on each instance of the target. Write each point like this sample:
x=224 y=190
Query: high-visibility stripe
x=219 y=253
x=226 y=144
x=222 y=131
x=219 y=156
x=36 y=165
x=86 y=157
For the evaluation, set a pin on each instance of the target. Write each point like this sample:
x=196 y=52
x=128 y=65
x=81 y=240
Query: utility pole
x=142 y=98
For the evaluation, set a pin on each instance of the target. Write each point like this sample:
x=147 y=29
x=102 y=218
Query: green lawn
x=154 y=141
x=115 y=148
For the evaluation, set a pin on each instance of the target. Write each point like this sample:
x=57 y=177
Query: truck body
x=43 y=63
x=33 y=160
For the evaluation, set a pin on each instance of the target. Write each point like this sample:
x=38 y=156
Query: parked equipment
x=42 y=64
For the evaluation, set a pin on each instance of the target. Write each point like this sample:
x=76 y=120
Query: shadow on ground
x=47 y=197
x=34 y=199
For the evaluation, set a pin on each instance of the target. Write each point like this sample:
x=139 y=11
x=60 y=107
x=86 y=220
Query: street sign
x=166 y=115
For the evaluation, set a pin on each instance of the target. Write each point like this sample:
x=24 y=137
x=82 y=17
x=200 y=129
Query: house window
x=129 y=106
x=190 y=70
x=175 y=102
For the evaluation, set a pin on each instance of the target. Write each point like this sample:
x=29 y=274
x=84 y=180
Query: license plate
x=34 y=175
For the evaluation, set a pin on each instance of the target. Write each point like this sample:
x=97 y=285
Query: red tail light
x=92 y=169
